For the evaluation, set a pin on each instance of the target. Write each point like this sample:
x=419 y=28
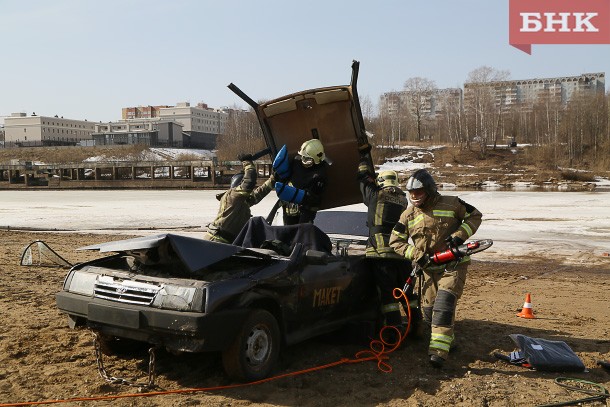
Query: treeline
x=576 y=134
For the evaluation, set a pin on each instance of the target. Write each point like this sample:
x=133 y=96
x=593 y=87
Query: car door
x=321 y=291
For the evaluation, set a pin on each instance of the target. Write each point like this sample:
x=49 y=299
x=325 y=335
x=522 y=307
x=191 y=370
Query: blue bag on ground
x=545 y=355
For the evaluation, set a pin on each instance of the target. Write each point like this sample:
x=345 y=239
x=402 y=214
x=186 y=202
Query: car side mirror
x=320 y=258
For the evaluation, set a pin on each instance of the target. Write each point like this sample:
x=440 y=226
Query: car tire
x=255 y=350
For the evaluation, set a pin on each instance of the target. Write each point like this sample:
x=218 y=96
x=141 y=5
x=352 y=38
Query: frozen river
x=571 y=225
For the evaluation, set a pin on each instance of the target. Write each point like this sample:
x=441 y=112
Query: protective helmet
x=312 y=152
x=387 y=178
x=236 y=179
x=422 y=179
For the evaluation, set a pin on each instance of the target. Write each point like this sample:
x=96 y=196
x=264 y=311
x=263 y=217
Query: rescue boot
x=436 y=361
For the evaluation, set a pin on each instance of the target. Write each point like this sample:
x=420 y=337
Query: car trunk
x=330 y=114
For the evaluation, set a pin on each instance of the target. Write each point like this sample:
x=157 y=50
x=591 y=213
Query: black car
x=275 y=286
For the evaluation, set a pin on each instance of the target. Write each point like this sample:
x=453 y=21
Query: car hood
x=196 y=254
x=330 y=114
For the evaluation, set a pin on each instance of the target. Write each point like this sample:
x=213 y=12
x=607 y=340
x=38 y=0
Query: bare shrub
x=579 y=176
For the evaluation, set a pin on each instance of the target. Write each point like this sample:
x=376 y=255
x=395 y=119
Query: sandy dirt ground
x=42 y=359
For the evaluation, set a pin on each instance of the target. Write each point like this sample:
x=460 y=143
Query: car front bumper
x=175 y=330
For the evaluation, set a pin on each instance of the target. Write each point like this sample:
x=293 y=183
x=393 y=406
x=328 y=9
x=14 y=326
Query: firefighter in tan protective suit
x=235 y=203
x=435 y=223
x=385 y=202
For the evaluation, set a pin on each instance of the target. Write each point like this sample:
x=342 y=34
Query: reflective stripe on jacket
x=384 y=209
x=429 y=226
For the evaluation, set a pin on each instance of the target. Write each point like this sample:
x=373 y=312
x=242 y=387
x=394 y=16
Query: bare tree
x=242 y=135
x=419 y=94
x=484 y=101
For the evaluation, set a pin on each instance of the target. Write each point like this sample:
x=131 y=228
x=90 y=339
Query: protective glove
x=245 y=157
x=454 y=242
x=365 y=149
x=288 y=193
x=423 y=260
x=281 y=163
x=277 y=177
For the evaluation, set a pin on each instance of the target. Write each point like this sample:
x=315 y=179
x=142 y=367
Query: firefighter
x=300 y=181
x=385 y=202
x=235 y=203
x=434 y=223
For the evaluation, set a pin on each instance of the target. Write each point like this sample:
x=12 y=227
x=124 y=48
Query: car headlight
x=82 y=283
x=176 y=297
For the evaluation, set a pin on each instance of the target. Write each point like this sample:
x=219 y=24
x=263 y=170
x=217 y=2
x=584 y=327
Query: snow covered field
x=570 y=225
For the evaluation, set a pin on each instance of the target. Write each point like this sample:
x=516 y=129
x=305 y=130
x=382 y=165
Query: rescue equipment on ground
x=595 y=391
x=527 y=311
x=38 y=253
x=542 y=355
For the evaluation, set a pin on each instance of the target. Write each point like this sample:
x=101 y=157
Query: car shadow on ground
x=477 y=342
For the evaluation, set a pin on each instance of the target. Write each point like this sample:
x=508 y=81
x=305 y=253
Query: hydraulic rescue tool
x=453 y=253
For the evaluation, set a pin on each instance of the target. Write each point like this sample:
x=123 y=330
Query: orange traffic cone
x=527 y=312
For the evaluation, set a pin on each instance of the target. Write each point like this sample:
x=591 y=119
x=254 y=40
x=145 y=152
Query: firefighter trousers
x=389 y=274
x=441 y=290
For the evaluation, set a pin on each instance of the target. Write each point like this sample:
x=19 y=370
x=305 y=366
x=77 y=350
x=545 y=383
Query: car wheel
x=255 y=350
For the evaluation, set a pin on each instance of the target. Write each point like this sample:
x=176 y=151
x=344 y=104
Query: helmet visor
x=307 y=161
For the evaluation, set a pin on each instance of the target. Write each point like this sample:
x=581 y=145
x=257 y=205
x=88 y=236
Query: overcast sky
x=87 y=59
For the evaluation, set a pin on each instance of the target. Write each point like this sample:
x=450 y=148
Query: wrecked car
x=274 y=287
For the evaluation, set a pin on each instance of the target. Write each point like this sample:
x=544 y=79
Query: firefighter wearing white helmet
x=385 y=202
x=312 y=152
x=301 y=181
x=434 y=223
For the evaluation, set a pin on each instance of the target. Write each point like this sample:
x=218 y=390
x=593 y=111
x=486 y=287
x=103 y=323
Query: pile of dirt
x=42 y=359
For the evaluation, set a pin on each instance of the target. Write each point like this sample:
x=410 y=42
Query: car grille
x=142 y=294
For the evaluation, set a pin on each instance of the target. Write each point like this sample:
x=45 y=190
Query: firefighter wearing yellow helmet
x=301 y=181
x=385 y=201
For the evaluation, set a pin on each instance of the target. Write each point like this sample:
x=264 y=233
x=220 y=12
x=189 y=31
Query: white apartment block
x=21 y=129
x=200 y=118
x=526 y=92
x=432 y=103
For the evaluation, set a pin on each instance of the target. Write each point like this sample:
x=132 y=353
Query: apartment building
x=21 y=129
x=201 y=124
x=432 y=103
x=526 y=92
x=141 y=112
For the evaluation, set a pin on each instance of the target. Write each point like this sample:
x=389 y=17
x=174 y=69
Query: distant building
x=526 y=92
x=141 y=112
x=201 y=124
x=23 y=130
x=432 y=103
x=150 y=132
